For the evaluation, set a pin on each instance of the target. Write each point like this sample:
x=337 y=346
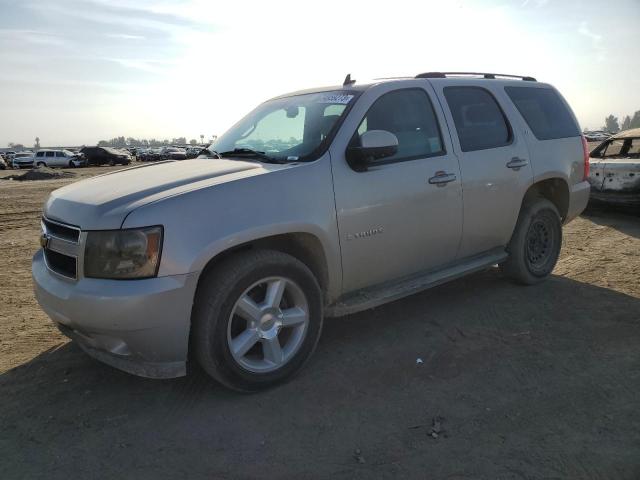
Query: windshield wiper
x=248 y=152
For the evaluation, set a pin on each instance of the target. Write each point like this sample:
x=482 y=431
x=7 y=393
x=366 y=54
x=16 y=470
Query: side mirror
x=374 y=145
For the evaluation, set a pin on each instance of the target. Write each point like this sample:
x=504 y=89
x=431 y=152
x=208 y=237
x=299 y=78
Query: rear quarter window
x=544 y=111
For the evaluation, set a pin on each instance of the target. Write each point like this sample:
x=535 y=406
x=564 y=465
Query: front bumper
x=578 y=199
x=139 y=326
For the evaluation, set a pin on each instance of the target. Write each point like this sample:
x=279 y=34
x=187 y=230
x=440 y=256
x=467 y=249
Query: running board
x=390 y=291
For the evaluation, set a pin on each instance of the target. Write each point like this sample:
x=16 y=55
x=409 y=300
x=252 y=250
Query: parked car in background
x=3 y=164
x=596 y=136
x=193 y=152
x=173 y=153
x=58 y=158
x=615 y=169
x=233 y=259
x=106 y=156
x=8 y=156
x=22 y=160
x=150 y=155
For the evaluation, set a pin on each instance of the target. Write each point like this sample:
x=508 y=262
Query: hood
x=104 y=201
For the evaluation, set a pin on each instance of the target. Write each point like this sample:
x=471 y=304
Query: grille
x=61 y=264
x=62 y=248
x=60 y=231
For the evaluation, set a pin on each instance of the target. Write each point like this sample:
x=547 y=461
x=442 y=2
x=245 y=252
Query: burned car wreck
x=615 y=169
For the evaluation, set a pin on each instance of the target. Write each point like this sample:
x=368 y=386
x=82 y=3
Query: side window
x=50 y=154
x=480 y=122
x=40 y=154
x=409 y=115
x=622 y=148
x=59 y=154
x=614 y=148
x=544 y=111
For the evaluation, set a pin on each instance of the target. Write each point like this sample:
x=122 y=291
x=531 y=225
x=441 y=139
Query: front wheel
x=257 y=319
x=41 y=164
x=535 y=245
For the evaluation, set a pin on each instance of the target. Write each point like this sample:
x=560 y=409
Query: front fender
x=203 y=223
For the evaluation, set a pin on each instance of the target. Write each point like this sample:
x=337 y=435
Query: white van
x=57 y=158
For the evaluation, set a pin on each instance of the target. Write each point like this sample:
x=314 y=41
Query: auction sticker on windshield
x=335 y=98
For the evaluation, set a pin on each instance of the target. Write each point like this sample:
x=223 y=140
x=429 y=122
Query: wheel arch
x=303 y=246
x=555 y=189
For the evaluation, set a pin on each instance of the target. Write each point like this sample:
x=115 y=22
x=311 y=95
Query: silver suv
x=317 y=203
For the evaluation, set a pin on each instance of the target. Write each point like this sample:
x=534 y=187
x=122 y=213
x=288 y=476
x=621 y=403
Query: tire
x=217 y=325
x=41 y=164
x=112 y=163
x=535 y=245
x=71 y=164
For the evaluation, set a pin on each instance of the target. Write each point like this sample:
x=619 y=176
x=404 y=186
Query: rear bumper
x=578 y=199
x=139 y=326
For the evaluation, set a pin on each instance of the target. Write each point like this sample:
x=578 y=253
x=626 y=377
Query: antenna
x=348 y=81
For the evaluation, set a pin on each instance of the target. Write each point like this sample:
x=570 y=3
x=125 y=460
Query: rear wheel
x=257 y=319
x=535 y=246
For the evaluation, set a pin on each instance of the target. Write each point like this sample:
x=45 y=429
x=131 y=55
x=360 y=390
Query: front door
x=61 y=159
x=404 y=213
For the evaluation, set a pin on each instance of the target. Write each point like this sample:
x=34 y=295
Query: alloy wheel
x=268 y=324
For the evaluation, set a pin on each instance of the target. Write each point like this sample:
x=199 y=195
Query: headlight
x=123 y=254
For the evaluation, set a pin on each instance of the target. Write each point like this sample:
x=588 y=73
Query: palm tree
x=37 y=144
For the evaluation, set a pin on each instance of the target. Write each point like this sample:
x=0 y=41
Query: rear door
x=494 y=162
x=394 y=218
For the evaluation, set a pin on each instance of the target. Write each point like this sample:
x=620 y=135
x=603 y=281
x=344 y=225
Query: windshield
x=289 y=128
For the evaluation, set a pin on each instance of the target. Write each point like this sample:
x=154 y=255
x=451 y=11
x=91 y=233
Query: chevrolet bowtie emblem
x=44 y=240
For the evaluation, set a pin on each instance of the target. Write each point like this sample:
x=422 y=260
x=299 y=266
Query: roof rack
x=475 y=74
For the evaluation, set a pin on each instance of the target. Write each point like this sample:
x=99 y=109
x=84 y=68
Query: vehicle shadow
x=625 y=219
x=478 y=378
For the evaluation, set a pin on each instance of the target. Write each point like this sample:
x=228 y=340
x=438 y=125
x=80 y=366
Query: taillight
x=585 y=151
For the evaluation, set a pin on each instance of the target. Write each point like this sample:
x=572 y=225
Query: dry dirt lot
x=524 y=382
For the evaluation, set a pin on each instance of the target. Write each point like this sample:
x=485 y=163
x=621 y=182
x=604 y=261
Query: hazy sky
x=77 y=71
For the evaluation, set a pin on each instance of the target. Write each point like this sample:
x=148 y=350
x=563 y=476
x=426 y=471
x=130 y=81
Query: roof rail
x=475 y=74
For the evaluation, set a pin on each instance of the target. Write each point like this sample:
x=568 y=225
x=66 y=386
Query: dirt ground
x=515 y=382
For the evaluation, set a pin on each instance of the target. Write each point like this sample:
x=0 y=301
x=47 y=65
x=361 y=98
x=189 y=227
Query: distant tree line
x=122 y=142
x=613 y=125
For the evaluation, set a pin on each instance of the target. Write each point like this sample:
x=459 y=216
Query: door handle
x=442 y=178
x=517 y=163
